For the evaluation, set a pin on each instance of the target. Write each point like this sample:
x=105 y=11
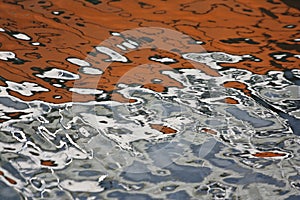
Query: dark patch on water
x=129 y=196
x=95 y=2
x=179 y=195
x=245 y=116
x=8 y=102
x=8 y=193
x=239 y=40
x=293 y=121
x=292 y=3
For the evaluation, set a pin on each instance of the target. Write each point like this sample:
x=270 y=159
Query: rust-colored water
x=80 y=25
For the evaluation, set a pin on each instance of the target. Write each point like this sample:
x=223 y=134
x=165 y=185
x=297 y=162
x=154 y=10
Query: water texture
x=149 y=100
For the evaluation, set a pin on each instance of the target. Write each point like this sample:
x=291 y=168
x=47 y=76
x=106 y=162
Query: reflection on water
x=148 y=113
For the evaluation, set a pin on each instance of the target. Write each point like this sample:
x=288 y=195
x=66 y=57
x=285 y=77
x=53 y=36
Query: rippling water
x=144 y=100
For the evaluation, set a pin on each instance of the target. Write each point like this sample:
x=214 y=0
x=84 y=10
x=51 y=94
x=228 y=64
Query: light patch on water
x=114 y=56
x=59 y=74
x=6 y=55
x=296 y=72
x=279 y=56
x=199 y=42
x=25 y=88
x=129 y=45
x=57 y=97
x=163 y=60
x=291 y=92
x=115 y=34
x=79 y=62
x=121 y=47
x=86 y=91
x=296 y=113
x=132 y=42
x=157 y=80
x=57 y=85
x=211 y=59
x=56 y=12
x=91 y=71
x=81 y=186
x=35 y=43
x=21 y=36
